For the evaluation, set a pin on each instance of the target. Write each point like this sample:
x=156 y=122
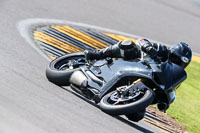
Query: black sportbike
x=118 y=86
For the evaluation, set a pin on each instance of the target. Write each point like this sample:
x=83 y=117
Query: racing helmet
x=180 y=54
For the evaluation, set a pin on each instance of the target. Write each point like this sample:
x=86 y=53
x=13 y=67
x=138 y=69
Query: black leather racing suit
x=129 y=50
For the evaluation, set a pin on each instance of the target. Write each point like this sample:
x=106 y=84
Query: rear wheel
x=60 y=69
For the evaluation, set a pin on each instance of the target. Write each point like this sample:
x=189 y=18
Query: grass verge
x=186 y=109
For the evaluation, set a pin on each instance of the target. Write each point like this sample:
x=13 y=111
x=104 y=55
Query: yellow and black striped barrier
x=57 y=40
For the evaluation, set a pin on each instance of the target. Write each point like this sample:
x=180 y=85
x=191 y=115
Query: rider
x=179 y=54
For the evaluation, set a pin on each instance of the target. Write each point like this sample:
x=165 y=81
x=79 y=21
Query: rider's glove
x=152 y=52
x=148 y=48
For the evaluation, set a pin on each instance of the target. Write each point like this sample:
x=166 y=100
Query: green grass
x=186 y=109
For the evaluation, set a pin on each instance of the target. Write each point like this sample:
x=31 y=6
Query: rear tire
x=61 y=77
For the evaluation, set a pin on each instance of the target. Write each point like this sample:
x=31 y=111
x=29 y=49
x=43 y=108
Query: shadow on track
x=116 y=117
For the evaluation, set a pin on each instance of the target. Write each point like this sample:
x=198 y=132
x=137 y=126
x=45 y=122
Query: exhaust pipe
x=79 y=79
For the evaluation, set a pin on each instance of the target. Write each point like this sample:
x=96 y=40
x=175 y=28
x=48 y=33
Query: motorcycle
x=118 y=86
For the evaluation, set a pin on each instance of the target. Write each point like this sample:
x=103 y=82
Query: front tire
x=139 y=104
x=58 y=72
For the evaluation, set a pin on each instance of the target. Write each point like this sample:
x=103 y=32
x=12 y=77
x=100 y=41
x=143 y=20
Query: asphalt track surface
x=29 y=103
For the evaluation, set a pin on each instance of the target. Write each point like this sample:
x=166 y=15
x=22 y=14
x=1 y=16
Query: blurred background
x=29 y=103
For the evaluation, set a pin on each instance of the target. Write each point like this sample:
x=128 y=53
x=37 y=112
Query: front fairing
x=172 y=75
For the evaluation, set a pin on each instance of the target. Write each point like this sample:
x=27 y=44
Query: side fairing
x=113 y=72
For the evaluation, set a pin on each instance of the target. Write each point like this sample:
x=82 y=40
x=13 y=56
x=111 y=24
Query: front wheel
x=60 y=69
x=114 y=103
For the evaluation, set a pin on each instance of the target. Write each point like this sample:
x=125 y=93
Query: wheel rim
x=69 y=63
x=115 y=98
